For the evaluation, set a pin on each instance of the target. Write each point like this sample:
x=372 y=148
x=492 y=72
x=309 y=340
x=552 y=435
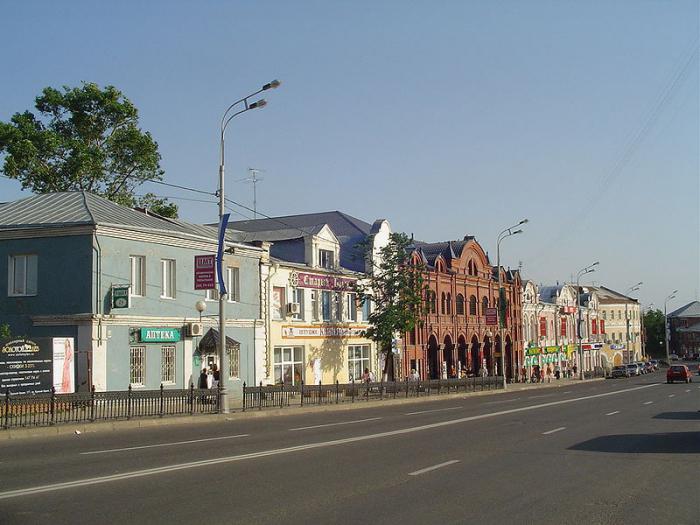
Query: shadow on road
x=686 y=416
x=663 y=443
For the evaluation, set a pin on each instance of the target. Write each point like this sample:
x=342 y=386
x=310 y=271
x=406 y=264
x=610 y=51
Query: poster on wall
x=63 y=365
x=25 y=367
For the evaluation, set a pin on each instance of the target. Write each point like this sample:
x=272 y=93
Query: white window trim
x=171 y=276
x=11 y=276
x=174 y=365
x=142 y=277
x=143 y=366
x=282 y=363
x=231 y=298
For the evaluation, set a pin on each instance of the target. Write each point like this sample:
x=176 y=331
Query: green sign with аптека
x=160 y=335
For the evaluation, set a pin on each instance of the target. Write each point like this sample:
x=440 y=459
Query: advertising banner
x=25 y=367
x=63 y=365
x=320 y=282
x=322 y=331
x=491 y=317
x=204 y=272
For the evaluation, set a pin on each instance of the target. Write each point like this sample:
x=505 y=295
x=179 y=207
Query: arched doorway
x=476 y=362
x=496 y=368
x=433 y=358
x=447 y=356
x=488 y=354
x=462 y=358
x=509 y=358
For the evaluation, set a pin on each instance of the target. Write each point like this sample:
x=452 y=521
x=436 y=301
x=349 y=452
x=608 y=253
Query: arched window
x=484 y=305
x=449 y=303
x=460 y=304
x=442 y=303
x=433 y=301
x=472 y=305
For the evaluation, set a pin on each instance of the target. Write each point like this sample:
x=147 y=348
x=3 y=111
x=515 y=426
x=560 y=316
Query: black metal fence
x=280 y=396
x=38 y=410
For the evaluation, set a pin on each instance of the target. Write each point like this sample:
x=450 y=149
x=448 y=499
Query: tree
x=5 y=332
x=158 y=205
x=82 y=138
x=395 y=288
x=654 y=332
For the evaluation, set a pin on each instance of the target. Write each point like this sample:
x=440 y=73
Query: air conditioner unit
x=193 y=329
x=293 y=308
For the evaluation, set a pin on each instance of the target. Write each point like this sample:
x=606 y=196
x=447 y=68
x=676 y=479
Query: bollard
x=381 y=390
x=53 y=405
x=244 y=395
x=161 y=400
x=302 y=392
x=260 y=394
x=92 y=403
x=406 y=388
x=7 y=408
x=128 y=403
x=353 y=390
x=320 y=391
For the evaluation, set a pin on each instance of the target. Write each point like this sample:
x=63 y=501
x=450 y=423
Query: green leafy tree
x=158 y=205
x=395 y=288
x=81 y=138
x=654 y=332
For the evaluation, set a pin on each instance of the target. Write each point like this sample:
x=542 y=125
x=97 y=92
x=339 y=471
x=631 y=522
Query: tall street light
x=627 y=320
x=672 y=295
x=583 y=271
x=225 y=120
x=501 y=311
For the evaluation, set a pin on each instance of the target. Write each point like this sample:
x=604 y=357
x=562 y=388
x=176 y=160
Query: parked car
x=643 y=367
x=655 y=363
x=620 y=371
x=633 y=369
x=673 y=357
x=678 y=373
x=649 y=367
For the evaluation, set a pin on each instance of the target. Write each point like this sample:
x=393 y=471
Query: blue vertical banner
x=220 y=253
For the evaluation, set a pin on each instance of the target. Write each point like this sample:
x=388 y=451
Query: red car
x=678 y=373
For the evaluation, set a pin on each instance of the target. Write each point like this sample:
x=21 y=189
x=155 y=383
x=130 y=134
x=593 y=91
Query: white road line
x=612 y=413
x=39 y=489
x=434 y=410
x=162 y=445
x=688 y=390
x=335 y=424
x=434 y=467
x=567 y=392
x=672 y=395
x=501 y=402
x=648 y=402
x=553 y=431
x=543 y=395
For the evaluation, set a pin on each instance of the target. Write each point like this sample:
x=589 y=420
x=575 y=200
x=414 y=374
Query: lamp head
x=516 y=232
x=524 y=221
x=258 y=104
x=271 y=85
x=200 y=306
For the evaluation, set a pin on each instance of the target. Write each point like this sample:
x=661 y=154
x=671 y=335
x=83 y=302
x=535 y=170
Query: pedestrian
x=414 y=375
x=366 y=377
x=523 y=375
x=453 y=372
x=483 y=371
x=202 y=379
x=541 y=375
x=549 y=373
x=557 y=372
x=215 y=376
x=575 y=368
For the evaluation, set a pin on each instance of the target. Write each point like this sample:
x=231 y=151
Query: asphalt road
x=615 y=451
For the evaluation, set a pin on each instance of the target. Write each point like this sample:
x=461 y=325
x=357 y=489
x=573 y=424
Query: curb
x=239 y=415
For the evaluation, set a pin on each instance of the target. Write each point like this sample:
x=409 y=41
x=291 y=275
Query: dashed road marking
x=335 y=424
x=553 y=431
x=434 y=410
x=672 y=395
x=434 y=467
x=163 y=444
x=612 y=413
x=648 y=402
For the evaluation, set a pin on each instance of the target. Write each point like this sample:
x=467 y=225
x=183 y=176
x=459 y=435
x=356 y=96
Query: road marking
x=162 y=444
x=648 y=402
x=672 y=395
x=567 y=392
x=298 y=448
x=553 y=431
x=335 y=424
x=434 y=410
x=688 y=390
x=612 y=413
x=434 y=467
x=543 y=395
x=501 y=402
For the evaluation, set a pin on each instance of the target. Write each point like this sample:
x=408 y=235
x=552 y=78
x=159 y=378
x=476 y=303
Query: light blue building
x=119 y=283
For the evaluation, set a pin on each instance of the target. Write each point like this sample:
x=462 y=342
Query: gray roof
x=689 y=310
x=448 y=249
x=81 y=208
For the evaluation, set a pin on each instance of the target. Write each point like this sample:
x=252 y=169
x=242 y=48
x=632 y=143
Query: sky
x=447 y=118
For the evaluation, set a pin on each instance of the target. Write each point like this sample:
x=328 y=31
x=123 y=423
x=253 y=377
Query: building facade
x=684 y=330
x=621 y=326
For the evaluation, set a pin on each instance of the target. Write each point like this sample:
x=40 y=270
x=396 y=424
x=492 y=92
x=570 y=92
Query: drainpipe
x=97 y=249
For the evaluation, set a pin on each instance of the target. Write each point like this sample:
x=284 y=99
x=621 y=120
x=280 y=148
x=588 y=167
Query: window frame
x=31 y=272
x=293 y=362
x=233 y=284
x=326 y=259
x=363 y=361
x=282 y=303
x=141 y=366
x=168 y=278
x=234 y=361
x=168 y=364
x=133 y=289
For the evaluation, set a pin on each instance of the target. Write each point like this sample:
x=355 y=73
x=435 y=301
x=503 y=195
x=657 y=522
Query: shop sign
x=617 y=347
x=63 y=364
x=552 y=350
x=160 y=335
x=204 y=272
x=321 y=282
x=568 y=309
x=491 y=316
x=25 y=367
x=323 y=331
x=120 y=296
x=533 y=350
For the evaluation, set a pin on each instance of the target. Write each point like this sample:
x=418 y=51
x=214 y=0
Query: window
x=22 y=275
x=137 y=365
x=167 y=278
x=594 y=326
x=442 y=303
x=472 y=305
x=563 y=326
x=278 y=302
x=138 y=275
x=449 y=304
x=543 y=327
x=314 y=305
x=326 y=305
x=460 y=304
x=433 y=301
x=167 y=364
x=325 y=259
x=602 y=326
x=211 y=295
x=234 y=285
x=337 y=312
x=298 y=298
x=351 y=306
x=358 y=360
x=366 y=309
x=288 y=364
x=605 y=314
x=234 y=360
x=619 y=314
x=484 y=305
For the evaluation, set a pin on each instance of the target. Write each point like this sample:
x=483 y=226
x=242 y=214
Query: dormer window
x=325 y=259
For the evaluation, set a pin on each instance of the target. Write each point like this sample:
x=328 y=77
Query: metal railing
x=284 y=395
x=37 y=410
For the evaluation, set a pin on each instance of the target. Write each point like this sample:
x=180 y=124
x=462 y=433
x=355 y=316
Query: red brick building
x=462 y=284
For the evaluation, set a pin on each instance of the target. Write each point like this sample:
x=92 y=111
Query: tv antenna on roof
x=254 y=177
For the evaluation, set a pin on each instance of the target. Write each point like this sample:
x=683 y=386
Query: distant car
x=633 y=369
x=620 y=371
x=655 y=363
x=678 y=373
x=673 y=357
x=649 y=367
x=699 y=370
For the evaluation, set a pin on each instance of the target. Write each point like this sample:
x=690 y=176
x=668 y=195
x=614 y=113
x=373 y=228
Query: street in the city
x=598 y=452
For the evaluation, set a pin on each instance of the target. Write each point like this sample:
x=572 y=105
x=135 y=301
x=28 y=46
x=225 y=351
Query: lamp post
x=582 y=271
x=627 y=319
x=227 y=117
x=508 y=232
x=672 y=295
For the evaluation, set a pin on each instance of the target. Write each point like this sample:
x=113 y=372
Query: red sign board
x=322 y=282
x=204 y=272
x=491 y=316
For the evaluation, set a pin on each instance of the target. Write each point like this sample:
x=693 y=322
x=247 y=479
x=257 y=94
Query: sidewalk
x=238 y=415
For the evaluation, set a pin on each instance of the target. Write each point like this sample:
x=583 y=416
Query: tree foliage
x=157 y=205
x=395 y=288
x=81 y=138
x=654 y=331
x=5 y=331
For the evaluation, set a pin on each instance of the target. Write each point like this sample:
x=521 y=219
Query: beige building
x=622 y=326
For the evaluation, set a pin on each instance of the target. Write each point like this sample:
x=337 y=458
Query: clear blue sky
x=447 y=118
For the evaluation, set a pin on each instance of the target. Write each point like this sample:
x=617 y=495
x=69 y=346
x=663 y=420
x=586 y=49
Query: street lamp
x=508 y=232
x=627 y=320
x=227 y=117
x=672 y=295
x=582 y=271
